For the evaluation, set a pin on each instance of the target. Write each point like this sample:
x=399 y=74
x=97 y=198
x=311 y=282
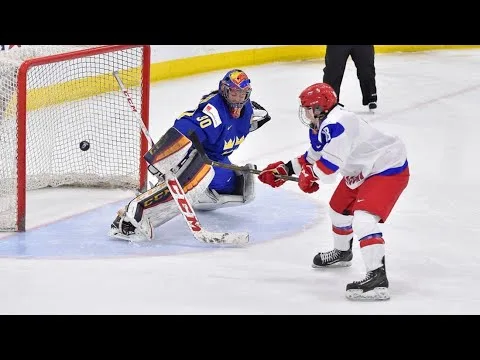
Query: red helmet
x=315 y=102
x=320 y=94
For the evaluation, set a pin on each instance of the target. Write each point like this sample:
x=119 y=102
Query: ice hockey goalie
x=222 y=120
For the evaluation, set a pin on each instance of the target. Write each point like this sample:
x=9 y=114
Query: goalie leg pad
x=193 y=175
x=247 y=185
x=155 y=206
x=244 y=194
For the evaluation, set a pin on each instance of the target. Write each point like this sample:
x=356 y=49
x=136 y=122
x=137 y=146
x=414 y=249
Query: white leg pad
x=155 y=207
x=211 y=200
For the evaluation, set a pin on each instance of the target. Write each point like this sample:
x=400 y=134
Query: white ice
x=432 y=237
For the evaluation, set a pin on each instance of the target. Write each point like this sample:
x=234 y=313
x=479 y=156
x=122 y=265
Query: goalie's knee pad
x=244 y=194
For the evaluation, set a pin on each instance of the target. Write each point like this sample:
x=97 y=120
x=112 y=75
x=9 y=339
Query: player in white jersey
x=374 y=171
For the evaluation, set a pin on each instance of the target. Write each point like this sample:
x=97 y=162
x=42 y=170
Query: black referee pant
x=363 y=57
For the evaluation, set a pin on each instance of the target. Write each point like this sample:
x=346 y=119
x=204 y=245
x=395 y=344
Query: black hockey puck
x=84 y=145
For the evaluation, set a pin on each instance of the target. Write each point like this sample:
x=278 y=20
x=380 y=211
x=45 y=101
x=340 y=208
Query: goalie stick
x=179 y=196
x=198 y=145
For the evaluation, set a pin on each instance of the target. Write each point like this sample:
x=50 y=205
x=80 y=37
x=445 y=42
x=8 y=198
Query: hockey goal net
x=54 y=97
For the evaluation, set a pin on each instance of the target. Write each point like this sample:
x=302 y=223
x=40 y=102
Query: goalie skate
x=123 y=229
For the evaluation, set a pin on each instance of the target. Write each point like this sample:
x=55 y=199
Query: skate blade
x=336 y=265
x=380 y=293
x=130 y=238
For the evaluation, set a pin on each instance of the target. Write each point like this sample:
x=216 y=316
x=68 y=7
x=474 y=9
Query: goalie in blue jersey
x=222 y=120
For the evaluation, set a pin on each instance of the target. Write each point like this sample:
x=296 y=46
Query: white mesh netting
x=68 y=101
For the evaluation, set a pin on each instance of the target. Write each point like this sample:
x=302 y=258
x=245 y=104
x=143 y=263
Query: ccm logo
x=179 y=196
x=130 y=101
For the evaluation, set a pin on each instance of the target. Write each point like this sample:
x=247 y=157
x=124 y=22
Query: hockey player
x=222 y=120
x=374 y=171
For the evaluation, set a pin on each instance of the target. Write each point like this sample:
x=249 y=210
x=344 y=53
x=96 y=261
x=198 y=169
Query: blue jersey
x=220 y=133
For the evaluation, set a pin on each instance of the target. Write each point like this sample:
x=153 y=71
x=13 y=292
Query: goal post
x=54 y=97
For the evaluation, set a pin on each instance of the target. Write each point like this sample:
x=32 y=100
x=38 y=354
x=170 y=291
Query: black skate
x=334 y=258
x=125 y=229
x=373 y=287
x=372 y=106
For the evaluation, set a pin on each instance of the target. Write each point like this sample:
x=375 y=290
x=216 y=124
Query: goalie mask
x=316 y=101
x=235 y=89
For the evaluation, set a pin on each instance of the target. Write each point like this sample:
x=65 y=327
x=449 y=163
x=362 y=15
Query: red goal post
x=54 y=97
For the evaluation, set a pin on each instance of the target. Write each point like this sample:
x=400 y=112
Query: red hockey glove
x=267 y=175
x=307 y=179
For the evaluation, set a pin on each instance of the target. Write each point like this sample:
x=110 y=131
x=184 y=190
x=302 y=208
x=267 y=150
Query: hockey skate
x=372 y=106
x=122 y=228
x=334 y=258
x=373 y=287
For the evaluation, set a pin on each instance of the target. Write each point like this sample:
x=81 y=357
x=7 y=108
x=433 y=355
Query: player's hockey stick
x=179 y=195
x=198 y=145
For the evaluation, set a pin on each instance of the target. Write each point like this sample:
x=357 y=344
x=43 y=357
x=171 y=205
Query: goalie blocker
x=156 y=206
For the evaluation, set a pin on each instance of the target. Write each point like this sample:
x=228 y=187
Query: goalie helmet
x=316 y=101
x=235 y=88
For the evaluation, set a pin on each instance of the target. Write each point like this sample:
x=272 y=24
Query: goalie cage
x=54 y=97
